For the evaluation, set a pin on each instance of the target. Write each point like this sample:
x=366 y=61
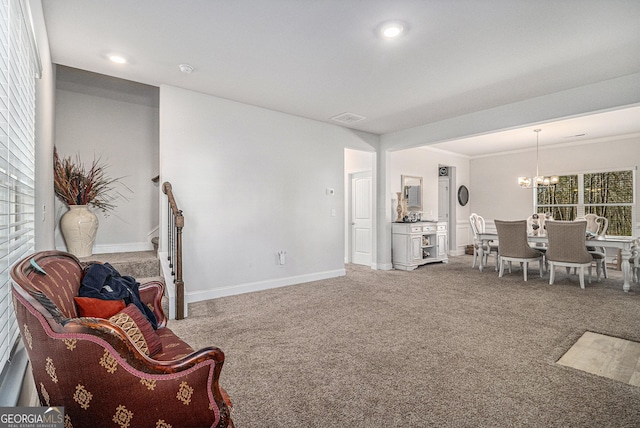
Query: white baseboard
x=123 y=248
x=460 y=251
x=382 y=266
x=118 y=248
x=198 y=296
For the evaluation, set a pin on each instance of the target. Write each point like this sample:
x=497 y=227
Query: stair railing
x=174 y=248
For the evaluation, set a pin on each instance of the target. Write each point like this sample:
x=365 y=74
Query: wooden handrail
x=174 y=233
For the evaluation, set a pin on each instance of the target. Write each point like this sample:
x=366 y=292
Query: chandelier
x=538 y=180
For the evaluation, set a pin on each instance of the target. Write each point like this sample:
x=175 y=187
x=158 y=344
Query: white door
x=361 y=218
x=443 y=199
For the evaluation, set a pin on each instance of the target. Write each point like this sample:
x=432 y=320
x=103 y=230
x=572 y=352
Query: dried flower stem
x=75 y=185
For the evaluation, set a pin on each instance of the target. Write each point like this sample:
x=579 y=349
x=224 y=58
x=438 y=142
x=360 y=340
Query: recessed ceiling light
x=391 y=29
x=185 y=68
x=118 y=59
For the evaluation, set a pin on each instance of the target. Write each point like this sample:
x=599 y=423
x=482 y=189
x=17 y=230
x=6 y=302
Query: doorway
x=361 y=218
x=446 y=202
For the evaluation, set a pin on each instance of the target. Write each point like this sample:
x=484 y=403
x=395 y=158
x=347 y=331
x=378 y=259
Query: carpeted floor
x=442 y=346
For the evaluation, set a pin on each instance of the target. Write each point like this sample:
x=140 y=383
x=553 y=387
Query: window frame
x=581 y=206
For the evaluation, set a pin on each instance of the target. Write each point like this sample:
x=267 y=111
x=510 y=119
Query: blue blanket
x=103 y=281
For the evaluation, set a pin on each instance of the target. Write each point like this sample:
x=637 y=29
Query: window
x=608 y=194
x=18 y=66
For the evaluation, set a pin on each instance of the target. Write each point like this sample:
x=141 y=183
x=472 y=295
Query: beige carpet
x=142 y=265
x=442 y=346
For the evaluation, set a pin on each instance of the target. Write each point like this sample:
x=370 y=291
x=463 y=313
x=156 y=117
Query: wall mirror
x=412 y=192
x=463 y=195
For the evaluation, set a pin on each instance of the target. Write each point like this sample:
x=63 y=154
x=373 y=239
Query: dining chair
x=567 y=247
x=535 y=225
x=634 y=260
x=513 y=246
x=597 y=226
x=491 y=248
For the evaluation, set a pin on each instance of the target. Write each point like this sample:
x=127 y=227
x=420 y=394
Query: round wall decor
x=463 y=195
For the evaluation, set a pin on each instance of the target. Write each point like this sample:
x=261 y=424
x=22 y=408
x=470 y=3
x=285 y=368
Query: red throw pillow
x=98 y=308
x=139 y=329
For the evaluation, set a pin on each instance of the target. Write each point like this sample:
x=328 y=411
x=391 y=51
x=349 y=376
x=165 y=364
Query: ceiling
x=321 y=58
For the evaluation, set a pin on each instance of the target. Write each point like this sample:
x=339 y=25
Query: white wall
x=492 y=180
x=601 y=96
x=107 y=121
x=44 y=134
x=493 y=187
x=424 y=162
x=252 y=182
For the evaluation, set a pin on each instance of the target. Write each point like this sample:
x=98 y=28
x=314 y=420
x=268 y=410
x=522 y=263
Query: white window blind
x=17 y=158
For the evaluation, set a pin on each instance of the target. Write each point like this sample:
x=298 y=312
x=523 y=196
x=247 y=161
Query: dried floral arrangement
x=74 y=184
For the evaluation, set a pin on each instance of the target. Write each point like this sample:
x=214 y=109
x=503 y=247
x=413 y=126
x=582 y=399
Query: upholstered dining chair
x=103 y=361
x=514 y=247
x=536 y=226
x=597 y=226
x=478 y=226
x=567 y=247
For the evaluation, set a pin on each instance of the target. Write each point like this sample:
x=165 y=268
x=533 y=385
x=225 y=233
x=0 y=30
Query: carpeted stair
x=144 y=266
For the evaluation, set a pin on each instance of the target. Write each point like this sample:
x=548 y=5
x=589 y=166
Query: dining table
x=622 y=243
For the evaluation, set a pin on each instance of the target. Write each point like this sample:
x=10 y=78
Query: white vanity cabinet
x=416 y=244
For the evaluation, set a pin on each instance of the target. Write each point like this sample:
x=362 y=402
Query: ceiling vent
x=348 y=118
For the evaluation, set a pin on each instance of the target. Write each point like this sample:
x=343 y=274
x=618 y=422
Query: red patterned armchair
x=111 y=372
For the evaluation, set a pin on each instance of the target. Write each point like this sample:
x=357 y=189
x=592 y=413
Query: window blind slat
x=17 y=166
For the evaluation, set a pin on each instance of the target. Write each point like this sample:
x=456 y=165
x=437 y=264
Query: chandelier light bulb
x=538 y=180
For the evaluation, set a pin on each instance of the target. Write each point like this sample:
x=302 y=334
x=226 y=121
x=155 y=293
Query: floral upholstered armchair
x=113 y=371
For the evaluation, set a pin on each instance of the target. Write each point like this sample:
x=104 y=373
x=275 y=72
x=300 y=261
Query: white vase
x=79 y=227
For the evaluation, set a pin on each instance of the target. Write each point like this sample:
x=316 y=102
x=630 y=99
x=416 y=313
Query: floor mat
x=606 y=356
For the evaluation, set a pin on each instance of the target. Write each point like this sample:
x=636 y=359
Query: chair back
x=512 y=239
x=535 y=224
x=635 y=255
x=596 y=224
x=477 y=225
x=43 y=287
x=567 y=242
x=49 y=281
